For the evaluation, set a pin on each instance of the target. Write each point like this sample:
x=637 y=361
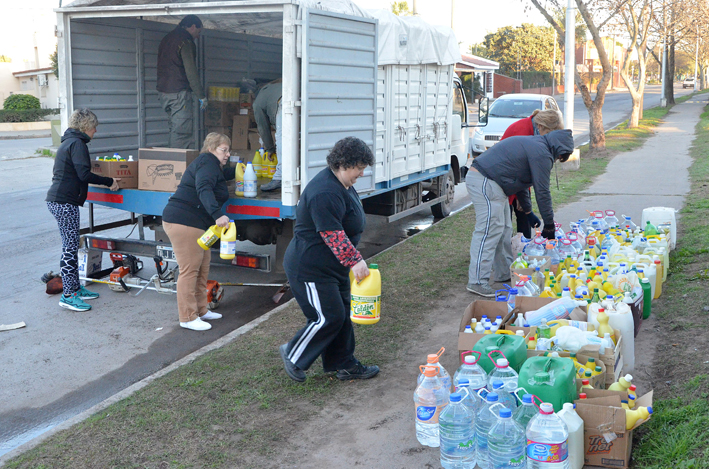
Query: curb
x=232 y=336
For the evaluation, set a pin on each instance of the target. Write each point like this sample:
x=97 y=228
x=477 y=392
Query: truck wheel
x=443 y=209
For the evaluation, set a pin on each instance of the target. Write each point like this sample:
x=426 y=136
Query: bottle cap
x=455 y=397
x=487 y=328
x=546 y=408
x=469 y=359
x=432 y=358
x=505 y=413
x=628 y=378
x=631 y=397
x=649 y=409
x=599 y=369
x=585 y=382
x=502 y=362
x=591 y=360
x=527 y=399
x=374 y=266
x=492 y=397
x=633 y=387
x=497 y=384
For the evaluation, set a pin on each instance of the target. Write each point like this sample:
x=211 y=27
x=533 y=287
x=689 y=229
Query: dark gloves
x=548 y=231
x=533 y=220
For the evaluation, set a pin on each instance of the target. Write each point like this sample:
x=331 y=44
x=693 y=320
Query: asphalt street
x=64 y=362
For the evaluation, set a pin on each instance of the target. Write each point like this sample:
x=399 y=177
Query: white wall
x=8 y=83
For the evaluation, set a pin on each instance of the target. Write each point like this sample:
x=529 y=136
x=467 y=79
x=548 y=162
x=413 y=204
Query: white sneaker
x=196 y=325
x=209 y=315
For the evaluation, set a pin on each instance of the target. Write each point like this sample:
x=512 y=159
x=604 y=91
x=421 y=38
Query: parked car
x=688 y=83
x=504 y=111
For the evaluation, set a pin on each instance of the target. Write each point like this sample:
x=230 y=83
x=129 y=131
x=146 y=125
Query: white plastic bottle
x=430 y=397
x=622 y=319
x=505 y=373
x=547 y=440
x=574 y=424
x=250 y=187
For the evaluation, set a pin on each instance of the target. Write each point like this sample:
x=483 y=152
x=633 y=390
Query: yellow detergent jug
x=209 y=237
x=239 y=177
x=586 y=384
x=632 y=416
x=227 y=249
x=366 y=298
x=257 y=163
x=603 y=326
x=623 y=384
x=272 y=159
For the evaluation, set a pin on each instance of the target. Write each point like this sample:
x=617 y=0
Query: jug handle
x=440 y=352
x=534 y=396
x=480 y=395
x=515 y=393
x=493 y=406
x=502 y=294
x=462 y=355
x=423 y=368
x=498 y=351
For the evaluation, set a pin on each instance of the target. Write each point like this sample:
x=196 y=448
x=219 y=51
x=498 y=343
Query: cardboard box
x=220 y=130
x=637 y=310
x=254 y=143
x=477 y=309
x=240 y=133
x=607 y=443
x=529 y=271
x=89 y=262
x=161 y=169
x=220 y=113
x=246 y=98
x=612 y=358
x=127 y=171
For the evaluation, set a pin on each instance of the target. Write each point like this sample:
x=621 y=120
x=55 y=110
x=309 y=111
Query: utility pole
x=663 y=98
x=416 y=10
x=570 y=58
x=696 y=59
x=553 y=68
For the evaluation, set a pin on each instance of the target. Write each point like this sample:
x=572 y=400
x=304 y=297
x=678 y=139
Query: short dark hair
x=348 y=153
x=191 y=20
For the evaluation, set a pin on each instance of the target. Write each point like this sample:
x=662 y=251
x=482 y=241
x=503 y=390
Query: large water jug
x=553 y=379
x=430 y=397
x=457 y=435
x=511 y=347
x=611 y=219
x=471 y=399
x=504 y=397
x=574 y=425
x=484 y=420
x=505 y=373
x=547 y=440
x=622 y=319
x=524 y=413
x=472 y=371
x=506 y=442
x=535 y=248
x=432 y=360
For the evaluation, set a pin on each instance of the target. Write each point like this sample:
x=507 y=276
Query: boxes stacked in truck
x=220 y=113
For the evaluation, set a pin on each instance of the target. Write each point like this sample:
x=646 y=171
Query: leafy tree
x=21 y=102
x=400 y=8
x=4 y=58
x=54 y=58
x=480 y=50
x=526 y=47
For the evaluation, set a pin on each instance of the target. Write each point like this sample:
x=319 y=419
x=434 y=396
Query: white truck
x=346 y=72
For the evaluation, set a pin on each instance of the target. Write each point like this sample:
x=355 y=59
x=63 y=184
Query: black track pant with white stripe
x=490 y=247
x=329 y=330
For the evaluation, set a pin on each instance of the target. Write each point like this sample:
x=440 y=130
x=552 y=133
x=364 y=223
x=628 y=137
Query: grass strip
x=678 y=434
x=234 y=406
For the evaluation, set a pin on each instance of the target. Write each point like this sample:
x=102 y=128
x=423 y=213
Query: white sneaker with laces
x=196 y=325
x=209 y=315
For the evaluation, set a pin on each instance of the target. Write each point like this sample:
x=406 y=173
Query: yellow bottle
x=603 y=326
x=209 y=237
x=547 y=293
x=272 y=164
x=632 y=416
x=227 y=249
x=532 y=343
x=366 y=298
x=658 y=277
x=257 y=163
x=239 y=178
x=586 y=384
x=623 y=384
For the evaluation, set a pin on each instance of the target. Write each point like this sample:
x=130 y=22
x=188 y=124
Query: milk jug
x=574 y=423
x=227 y=249
x=366 y=298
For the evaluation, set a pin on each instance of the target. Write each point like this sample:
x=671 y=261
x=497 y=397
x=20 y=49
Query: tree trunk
x=670 y=72
x=595 y=126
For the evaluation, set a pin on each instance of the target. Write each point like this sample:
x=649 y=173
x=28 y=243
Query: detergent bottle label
x=428 y=414
x=546 y=452
x=208 y=238
x=227 y=248
x=239 y=185
x=365 y=307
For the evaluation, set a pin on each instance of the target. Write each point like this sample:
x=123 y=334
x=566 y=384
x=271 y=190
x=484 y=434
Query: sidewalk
x=21 y=134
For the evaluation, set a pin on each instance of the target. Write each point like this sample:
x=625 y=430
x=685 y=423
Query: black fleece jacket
x=517 y=163
x=198 y=200
x=72 y=170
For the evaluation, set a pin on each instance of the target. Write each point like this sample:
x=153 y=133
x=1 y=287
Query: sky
x=473 y=18
x=28 y=23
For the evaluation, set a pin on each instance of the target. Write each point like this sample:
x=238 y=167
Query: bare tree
x=637 y=17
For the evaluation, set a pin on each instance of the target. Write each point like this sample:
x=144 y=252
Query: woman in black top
x=70 y=183
x=329 y=223
x=195 y=206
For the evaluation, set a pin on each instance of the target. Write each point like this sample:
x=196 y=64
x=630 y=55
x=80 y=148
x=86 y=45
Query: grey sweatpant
x=491 y=246
x=178 y=107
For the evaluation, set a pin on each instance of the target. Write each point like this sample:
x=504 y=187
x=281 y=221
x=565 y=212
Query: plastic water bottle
x=505 y=373
x=430 y=397
x=471 y=399
x=558 y=309
x=250 y=184
x=506 y=443
x=472 y=371
x=432 y=360
x=504 y=397
x=547 y=440
x=457 y=435
x=483 y=422
x=524 y=413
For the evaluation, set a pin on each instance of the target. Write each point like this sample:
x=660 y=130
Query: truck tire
x=443 y=209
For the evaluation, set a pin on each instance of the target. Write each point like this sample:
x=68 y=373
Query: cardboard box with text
x=161 y=169
x=127 y=171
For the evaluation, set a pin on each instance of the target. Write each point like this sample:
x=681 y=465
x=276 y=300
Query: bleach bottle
x=227 y=249
x=250 y=187
x=366 y=297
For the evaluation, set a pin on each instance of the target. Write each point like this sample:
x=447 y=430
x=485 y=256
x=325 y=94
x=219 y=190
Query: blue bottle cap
x=487 y=328
x=455 y=397
x=492 y=397
x=497 y=384
x=631 y=397
x=463 y=382
x=536 y=268
x=527 y=399
x=498 y=317
x=649 y=409
x=513 y=291
x=505 y=413
x=467 y=327
x=526 y=325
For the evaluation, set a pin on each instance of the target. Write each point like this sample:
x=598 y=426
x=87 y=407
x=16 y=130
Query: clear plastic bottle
x=457 y=435
x=470 y=398
x=543 y=330
x=553 y=253
x=524 y=413
x=506 y=443
x=611 y=219
x=505 y=373
x=432 y=360
x=547 y=440
x=535 y=248
x=628 y=223
x=472 y=371
x=483 y=422
x=430 y=397
x=504 y=397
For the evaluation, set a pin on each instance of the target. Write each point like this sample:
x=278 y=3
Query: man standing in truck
x=178 y=80
x=267 y=114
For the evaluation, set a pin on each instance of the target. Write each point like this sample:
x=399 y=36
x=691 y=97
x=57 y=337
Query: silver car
x=504 y=111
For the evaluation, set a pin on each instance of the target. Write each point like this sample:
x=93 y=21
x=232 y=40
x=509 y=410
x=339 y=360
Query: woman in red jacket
x=539 y=123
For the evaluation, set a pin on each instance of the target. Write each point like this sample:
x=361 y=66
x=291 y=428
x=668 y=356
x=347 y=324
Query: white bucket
x=662 y=216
